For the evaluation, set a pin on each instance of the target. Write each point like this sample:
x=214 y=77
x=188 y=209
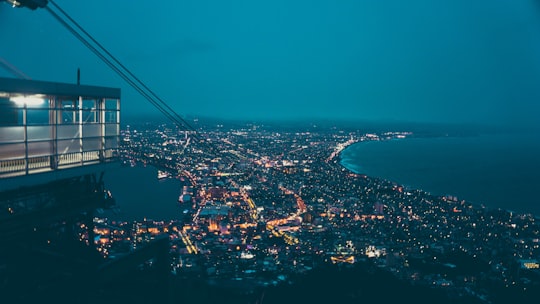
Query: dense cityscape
x=272 y=212
x=274 y=204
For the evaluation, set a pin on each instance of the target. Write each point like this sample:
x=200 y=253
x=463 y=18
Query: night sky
x=457 y=61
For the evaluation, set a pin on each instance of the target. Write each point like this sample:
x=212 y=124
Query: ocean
x=497 y=170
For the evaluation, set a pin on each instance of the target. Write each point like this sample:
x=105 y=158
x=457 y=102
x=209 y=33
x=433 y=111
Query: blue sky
x=419 y=60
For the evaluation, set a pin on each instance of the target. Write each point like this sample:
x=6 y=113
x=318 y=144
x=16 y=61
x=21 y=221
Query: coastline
x=351 y=166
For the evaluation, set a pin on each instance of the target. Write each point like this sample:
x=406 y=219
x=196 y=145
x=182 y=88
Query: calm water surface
x=501 y=171
x=139 y=194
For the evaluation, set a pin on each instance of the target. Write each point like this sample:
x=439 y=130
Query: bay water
x=497 y=170
x=139 y=194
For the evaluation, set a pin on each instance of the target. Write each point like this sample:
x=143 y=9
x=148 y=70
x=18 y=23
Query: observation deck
x=52 y=130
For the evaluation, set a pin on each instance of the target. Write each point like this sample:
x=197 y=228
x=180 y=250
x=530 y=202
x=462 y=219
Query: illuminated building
x=530 y=264
x=52 y=127
x=56 y=141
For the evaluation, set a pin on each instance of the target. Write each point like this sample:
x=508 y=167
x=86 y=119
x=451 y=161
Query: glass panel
x=111 y=129
x=111 y=142
x=39 y=148
x=12 y=151
x=67 y=116
x=89 y=111
x=89 y=116
x=111 y=104
x=10 y=114
x=37 y=117
x=68 y=146
x=91 y=144
x=39 y=132
x=67 y=131
x=10 y=134
x=91 y=130
x=111 y=116
x=67 y=112
x=89 y=104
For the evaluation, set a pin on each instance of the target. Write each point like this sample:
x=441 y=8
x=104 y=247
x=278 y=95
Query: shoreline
x=340 y=162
